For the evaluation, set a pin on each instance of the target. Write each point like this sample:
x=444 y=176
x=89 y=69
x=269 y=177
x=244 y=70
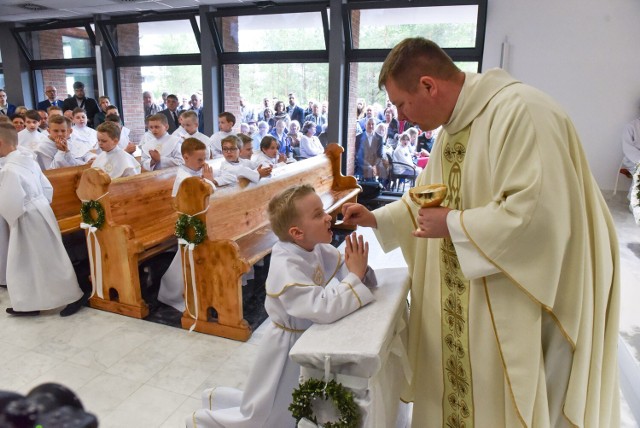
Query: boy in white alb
x=309 y=282
x=83 y=134
x=70 y=151
x=125 y=143
x=269 y=154
x=194 y=153
x=112 y=159
x=39 y=273
x=226 y=121
x=159 y=149
x=189 y=129
x=403 y=159
x=30 y=137
x=234 y=167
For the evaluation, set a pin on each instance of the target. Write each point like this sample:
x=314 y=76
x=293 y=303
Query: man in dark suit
x=51 y=93
x=172 y=113
x=369 y=152
x=294 y=111
x=80 y=100
x=6 y=108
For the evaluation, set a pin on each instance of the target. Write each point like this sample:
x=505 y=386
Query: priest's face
x=417 y=106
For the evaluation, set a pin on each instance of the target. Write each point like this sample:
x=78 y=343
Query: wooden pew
x=239 y=234
x=139 y=223
x=65 y=203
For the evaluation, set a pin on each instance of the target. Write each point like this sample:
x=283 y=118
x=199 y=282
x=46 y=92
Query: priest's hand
x=432 y=223
x=356 y=255
x=356 y=214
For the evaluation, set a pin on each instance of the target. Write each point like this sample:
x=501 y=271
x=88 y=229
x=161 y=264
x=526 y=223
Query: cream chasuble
x=543 y=319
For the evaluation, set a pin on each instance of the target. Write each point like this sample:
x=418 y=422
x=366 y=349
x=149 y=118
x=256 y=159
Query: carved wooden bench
x=139 y=223
x=65 y=203
x=239 y=234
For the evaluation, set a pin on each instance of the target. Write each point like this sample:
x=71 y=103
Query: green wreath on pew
x=341 y=398
x=199 y=230
x=87 y=217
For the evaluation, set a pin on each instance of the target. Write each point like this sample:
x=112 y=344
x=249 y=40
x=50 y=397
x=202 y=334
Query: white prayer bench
x=366 y=352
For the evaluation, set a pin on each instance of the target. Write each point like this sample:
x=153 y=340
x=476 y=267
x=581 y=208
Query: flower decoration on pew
x=87 y=216
x=186 y=222
x=340 y=396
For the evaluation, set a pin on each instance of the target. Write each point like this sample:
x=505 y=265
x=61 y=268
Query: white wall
x=584 y=53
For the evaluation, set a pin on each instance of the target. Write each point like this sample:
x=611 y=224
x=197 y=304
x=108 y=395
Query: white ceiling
x=15 y=10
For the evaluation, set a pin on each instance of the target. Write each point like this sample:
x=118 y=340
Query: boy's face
x=112 y=111
x=272 y=150
x=157 y=128
x=31 y=124
x=224 y=125
x=314 y=224
x=247 y=151
x=105 y=142
x=195 y=160
x=80 y=119
x=190 y=125
x=57 y=131
x=230 y=152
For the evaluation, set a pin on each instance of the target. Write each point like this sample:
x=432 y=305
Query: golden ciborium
x=428 y=196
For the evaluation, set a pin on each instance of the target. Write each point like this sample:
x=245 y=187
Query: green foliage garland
x=85 y=213
x=199 y=229
x=342 y=398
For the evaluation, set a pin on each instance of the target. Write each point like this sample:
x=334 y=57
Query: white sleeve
x=174 y=159
x=64 y=159
x=472 y=263
x=145 y=161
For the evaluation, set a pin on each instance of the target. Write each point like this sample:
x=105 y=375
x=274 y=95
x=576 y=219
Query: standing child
x=31 y=137
x=308 y=282
x=39 y=273
x=159 y=149
x=194 y=153
x=226 y=121
x=189 y=129
x=112 y=159
x=234 y=167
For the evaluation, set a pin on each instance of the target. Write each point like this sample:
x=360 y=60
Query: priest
x=515 y=282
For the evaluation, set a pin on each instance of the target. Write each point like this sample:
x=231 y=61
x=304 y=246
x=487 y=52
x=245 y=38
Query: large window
x=59 y=43
x=157 y=38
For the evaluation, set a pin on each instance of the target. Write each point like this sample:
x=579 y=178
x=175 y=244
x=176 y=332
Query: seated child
x=159 y=149
x=270 y=153
x=194 y=153
x=234 y=167
x=69 y=151
x=189 y=129
x=82 y=133
x=39 y=273
x=402 y=158
x=317 y=286
x=59 y=128
x=112 y=159
x=226 y=121
x=31 y=137
x=246 y=152
x=124 y=143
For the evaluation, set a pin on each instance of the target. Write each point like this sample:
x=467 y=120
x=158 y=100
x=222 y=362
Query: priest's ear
x=429 y=84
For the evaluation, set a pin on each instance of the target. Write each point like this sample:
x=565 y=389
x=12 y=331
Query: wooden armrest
x=257 y=244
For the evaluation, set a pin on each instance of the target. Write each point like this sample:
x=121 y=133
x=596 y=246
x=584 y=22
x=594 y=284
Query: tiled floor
x=136 y=373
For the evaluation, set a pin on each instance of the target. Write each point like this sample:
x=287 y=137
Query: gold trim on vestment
x=524 y=290
x=288 y=329
x=504 y=364
x=338 y=265
x=354 y=293
x=413 y=219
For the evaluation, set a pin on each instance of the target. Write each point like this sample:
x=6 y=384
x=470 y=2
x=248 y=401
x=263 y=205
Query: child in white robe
x=160 y=150
x=226 y=121
x=75 y=150
x=189 y=129
x=308 y=282
x=83 y=134
x=39 y=273
x=234 y=167
x=112 y=158
x=194 y=153
x=403 y=158
x=270 y=153
x=30 y=137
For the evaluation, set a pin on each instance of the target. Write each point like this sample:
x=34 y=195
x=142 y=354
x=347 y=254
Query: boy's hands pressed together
x=207 y=172
x=356 y=255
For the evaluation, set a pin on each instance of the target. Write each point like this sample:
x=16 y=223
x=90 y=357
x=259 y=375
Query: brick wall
x=131 y=82
x=231 y=73
x=50 y=42
x=353 y=96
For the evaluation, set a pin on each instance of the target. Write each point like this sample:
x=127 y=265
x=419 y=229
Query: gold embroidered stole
x=457 y=402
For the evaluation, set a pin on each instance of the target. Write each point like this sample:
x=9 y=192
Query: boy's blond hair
x=283 y=212
x=158 y=117
x=59 y=120
x=233 y=140
x=111 y=129
x=8 y=134
x=244 y=138
x=191 y=145
x=189 y=114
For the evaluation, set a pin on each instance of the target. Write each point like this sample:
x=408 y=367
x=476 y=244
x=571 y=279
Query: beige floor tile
x=102 y=394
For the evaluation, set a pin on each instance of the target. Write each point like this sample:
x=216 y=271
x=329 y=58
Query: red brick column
x=231 y=73
x=353 y=95
x=131 y=82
